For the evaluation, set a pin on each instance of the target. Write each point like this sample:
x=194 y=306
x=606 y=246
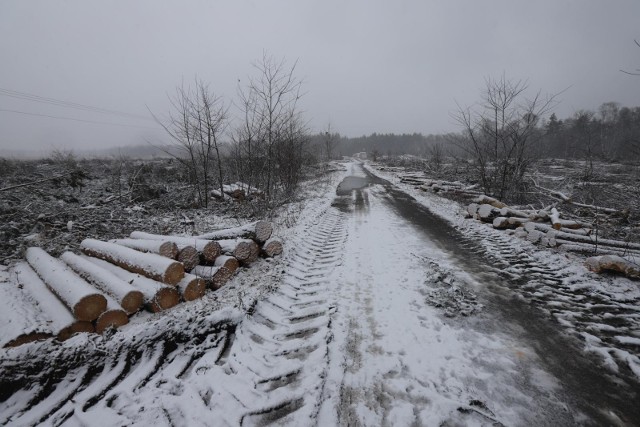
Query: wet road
x=576 y=390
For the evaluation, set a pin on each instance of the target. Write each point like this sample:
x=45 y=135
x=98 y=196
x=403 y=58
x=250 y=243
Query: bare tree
x=196 y=124
x=637 y=71
x=500 y=134
x=272 y=135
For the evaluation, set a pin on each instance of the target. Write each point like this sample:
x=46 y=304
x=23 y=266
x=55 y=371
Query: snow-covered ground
x=378 y=313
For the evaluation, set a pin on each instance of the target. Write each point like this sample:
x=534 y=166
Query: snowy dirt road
x=379 y=313
x=426 y=334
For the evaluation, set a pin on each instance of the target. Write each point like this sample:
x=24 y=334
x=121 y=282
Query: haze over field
x=367 y=66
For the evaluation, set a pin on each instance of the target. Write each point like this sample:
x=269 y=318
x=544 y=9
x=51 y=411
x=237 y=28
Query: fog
x=368 y=66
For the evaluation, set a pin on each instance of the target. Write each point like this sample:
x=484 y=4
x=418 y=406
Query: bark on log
x=508 y=212
x=165 y=248
x=215 y=277
x=150 y=265
x=486 y=200
x=583 y=248
x=259 y=231
x=244 y=250
x=84 y=301
x=272 y=247
x=128 y=297
x=189 y=257
x=60 y=321
x=157 y=296
x=227 y=261
x=487 y=213
x=113 y=317
x=503 y=223
x=592 y=240
x=192 y=287
x=615 y=263
x=21 y=319
x=209 y=250
x=546 y=228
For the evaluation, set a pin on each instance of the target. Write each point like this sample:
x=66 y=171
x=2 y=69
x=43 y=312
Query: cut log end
x=173 y=274
x=90 y=307
x=221 y=277
x=111 y=319
x=211 y=251
x=272 y=248
x=195 y=289
x=189 y=258
x=164 y=299
x=263 y=230
x=228 y=262
x=169 y=250
x=132 y=302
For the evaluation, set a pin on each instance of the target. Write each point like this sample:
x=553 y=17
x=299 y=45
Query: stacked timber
x=439 y=186
x=127 y=296
x=205 y=249
x=547 y=228
x=84 y=301
x=36 y=313
x=151 y=265
x=99 y=290
x=158 y=296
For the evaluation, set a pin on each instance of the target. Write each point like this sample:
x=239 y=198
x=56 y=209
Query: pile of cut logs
x=546 y=227
x=46 y=297
x=439 y=186
x=238 y=191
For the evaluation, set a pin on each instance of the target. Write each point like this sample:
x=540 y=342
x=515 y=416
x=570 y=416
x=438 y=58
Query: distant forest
x=611 y=133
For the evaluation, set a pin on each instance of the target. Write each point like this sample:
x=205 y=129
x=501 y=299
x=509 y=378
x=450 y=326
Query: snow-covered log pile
x=238 y=190
x=440 y=186
x=547 y=228
x=111 y=281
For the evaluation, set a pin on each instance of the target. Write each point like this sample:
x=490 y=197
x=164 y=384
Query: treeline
x=611 y=133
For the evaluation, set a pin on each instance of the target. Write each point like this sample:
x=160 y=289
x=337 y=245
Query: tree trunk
x=157 y=296
x=150 y=265
x=129 y=298
x=259 y=231
x=21 y=319
x=82 y=299
x=61 y=322
x=615 y=263
x=208 y=250
x=165 y=248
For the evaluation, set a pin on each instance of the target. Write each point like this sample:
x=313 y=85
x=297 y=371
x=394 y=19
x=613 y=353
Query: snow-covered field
x=379 y=312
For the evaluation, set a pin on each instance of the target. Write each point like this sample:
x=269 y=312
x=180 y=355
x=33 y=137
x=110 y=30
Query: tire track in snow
x=284 y=343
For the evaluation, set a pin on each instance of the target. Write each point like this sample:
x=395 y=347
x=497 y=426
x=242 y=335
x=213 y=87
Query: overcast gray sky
x=368 y=66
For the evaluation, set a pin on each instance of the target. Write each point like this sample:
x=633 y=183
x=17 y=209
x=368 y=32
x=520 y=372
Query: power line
x=74 y=119
x=68 y=104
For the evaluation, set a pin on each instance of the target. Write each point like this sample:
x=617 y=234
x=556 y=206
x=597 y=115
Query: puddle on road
x=351 y=183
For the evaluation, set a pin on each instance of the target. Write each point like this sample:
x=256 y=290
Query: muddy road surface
x=384 y=314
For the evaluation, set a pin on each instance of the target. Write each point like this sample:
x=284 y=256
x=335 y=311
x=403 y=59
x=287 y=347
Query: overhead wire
x=75 y=119
x=68 y=104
